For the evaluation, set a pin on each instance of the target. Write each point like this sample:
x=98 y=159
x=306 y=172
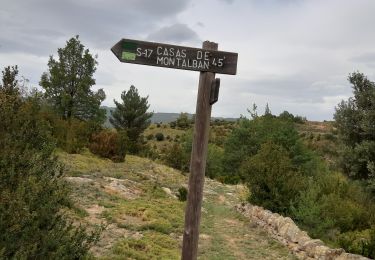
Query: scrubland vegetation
x=321 y=174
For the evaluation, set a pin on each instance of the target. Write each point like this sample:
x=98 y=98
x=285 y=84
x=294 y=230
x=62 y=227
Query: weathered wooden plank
x=174 y=56
x=198 y=162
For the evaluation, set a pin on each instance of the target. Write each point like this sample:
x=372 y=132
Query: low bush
x=359 y=242
x=182 y=194
x=214 y=166
x=273 y=181
x=177 y=158
x=159 y=137
x=109 y=144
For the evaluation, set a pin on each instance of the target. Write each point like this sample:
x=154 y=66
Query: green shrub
x=214 y=166
x=271 y=178
x=109 y=144
x=159 y=137
x=73 y=135
x=330 y=137
x=33 y=194
x=246 y=140
x=150 y=137
x=307 y=212
x=176 y=157
x=331 y=204
x=182 y=194
x=359 y=242
x=150 y=152
x=183 y=121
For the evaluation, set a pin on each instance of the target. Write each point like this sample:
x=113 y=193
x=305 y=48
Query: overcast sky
x=294 y=55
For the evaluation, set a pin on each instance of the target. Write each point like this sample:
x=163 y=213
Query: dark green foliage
x=332 y=204
x=182 y=194
x=355 y=123
x=330 y=137
x=68 y=81
x=289 y=116
x=72 y=135
x=149 y=152
x=173 y=124
x=9 y=84
x=219 y=133
x=246 y=139
x=214 y=166
x=178 y=155
x=109 y=144
x=273 y=181
x=159 y=137
x=33 y=194
x=183 y=121
x=131 y=116
x=358 y=161
x=177 y=158
x=76 y=108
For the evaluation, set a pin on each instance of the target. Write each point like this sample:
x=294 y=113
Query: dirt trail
x=230 y=235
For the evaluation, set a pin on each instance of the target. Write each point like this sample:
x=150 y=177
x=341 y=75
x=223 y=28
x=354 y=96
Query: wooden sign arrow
x=174 y=56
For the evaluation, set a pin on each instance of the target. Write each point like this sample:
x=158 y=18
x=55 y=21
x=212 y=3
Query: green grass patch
x=152 y=245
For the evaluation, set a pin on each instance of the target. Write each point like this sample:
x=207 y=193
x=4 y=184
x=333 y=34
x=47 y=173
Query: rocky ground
x=136 y=201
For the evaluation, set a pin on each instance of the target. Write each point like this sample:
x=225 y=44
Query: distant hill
x=161 y=117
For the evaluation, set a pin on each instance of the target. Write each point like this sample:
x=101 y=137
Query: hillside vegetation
x=137 y=202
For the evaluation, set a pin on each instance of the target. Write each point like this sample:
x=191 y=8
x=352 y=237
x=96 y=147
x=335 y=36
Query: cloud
x=176 y=33
x=303 y=89
x=366 y=58
x=200 y=24
x=227 y=1
x=34 y=26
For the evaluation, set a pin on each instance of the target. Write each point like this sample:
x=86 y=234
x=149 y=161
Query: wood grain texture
x=198 y=163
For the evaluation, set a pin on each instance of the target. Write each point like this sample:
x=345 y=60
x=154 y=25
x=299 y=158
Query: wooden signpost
x=208 y=61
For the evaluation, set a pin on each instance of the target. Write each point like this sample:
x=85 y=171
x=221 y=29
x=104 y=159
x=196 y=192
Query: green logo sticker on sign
x=129 y=51
x=128 y=55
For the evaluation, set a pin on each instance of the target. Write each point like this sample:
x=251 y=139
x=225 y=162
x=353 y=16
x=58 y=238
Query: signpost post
x=208 y=61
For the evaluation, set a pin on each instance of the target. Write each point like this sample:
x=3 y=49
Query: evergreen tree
x=131 y=115
x=33 y=193
x=68 y=83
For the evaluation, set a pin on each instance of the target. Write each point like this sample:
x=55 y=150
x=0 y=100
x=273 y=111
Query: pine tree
x=131 y=115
